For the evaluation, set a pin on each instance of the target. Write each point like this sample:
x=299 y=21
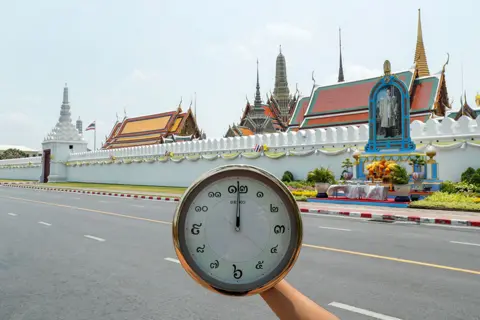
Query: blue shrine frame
x=400 y=144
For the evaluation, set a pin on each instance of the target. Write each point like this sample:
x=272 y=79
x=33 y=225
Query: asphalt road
x=71 y=256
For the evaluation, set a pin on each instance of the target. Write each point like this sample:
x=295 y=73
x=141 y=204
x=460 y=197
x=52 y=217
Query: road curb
x=97 y=193
x=352 y=214
x=394 y=218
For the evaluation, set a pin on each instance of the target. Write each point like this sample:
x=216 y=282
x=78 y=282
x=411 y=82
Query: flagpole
x=95 y=137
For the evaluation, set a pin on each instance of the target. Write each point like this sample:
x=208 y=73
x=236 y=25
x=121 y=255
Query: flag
x=258 y=148
x=91 y=126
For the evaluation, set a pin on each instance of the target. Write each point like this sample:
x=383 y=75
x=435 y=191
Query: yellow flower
x=265 y=147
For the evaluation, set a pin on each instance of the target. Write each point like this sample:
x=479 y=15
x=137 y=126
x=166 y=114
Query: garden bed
x=448 y=201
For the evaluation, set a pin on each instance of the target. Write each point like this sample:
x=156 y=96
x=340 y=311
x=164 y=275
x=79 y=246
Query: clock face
x=238 y=230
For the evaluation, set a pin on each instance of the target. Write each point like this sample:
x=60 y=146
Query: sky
x=144 y=56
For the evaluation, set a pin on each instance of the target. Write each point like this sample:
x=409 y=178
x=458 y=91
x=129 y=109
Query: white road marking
x=103 y=201
x=12 y=214
x=44 y=223
x=466 y=243
x=76 y=198
x=172 y=260
x=138 y=206
x=331 y=228
x=362 y=311
x=94 y=238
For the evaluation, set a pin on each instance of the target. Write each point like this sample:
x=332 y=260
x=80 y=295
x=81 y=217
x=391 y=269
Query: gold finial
x=420 y=58
x=446 y=62
x=477 y=99
x=387 y=68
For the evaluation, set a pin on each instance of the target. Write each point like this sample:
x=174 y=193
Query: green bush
x=287 y=176
x=467 y=175
x=475 y=179
x=300 y=184
x=448 y=187
x=459 y=187
x=321 y=175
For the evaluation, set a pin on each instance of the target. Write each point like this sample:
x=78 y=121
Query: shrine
x=382 y=174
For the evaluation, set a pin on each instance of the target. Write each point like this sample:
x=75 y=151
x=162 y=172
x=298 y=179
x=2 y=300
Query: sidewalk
x=459 y=218
x=454 y=218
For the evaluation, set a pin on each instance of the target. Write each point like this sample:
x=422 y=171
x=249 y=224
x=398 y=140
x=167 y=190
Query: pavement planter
x=353 y=214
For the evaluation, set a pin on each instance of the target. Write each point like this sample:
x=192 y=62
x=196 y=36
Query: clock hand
x=237 y=223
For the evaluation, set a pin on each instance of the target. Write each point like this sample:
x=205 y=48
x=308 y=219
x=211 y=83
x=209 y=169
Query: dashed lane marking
x=94 y=238
x=365 y=312
x=45 y=223
x=172 y=260
x=368 y=255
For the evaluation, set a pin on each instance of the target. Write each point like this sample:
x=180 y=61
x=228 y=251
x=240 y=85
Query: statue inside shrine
x=388 y=113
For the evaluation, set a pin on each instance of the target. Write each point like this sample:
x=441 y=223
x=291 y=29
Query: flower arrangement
x=305 y=193
x=380 y=170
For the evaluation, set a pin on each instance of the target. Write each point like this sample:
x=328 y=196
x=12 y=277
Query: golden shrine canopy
x=153 y=129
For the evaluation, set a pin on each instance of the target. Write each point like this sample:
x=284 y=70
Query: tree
x=13 y=154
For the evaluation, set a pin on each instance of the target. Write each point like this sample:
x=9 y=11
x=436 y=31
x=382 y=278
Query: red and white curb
x=353 y=214
x=98 y=193
x=393 y=218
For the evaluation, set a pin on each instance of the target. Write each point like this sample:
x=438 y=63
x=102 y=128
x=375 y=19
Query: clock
x=237 y=230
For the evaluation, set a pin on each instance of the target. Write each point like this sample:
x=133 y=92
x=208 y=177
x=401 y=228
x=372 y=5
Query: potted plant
x=323 y=178
x=418 y=164
x=400 y=182
x=347 y=173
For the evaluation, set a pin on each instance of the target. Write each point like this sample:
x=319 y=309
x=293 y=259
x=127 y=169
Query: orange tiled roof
x=149 y=129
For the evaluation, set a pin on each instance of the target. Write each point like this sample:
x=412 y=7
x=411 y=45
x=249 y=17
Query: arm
x=288 y=303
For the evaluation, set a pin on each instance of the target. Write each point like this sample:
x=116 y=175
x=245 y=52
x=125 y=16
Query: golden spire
x=420 y=59
x=477 y=99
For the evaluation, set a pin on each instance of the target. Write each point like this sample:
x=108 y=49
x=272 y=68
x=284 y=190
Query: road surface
x=73 y=256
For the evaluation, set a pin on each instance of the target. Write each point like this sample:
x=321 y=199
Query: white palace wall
x=457 y=144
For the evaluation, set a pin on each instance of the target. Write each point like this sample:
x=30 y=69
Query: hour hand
x=237 y=220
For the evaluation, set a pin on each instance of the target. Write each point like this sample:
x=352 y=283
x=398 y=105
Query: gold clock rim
x=298 y=221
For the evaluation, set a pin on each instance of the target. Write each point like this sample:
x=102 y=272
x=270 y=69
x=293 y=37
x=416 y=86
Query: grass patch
x=121 y=187
x=448 y=201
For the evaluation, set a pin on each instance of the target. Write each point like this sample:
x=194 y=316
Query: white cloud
x=141 y=75
x=288 y=31
x=268 y=36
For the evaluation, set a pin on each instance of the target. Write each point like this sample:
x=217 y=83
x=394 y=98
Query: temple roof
x=465 y=110
x=149 y=129
x=299 y=112
x=347 y=103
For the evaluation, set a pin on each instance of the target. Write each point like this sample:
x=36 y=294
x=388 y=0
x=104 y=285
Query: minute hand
x=237 y=223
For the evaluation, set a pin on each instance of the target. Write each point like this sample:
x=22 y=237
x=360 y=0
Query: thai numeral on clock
x=273 y=208
x=212 y=194
x=274 y=249
x=279 y=229
x=260 y=194
x=259 y=265
x=196 y=229
x=237 y=273
x=201 y=208
x=214 y=265
x=237 y=188
x=201 y=249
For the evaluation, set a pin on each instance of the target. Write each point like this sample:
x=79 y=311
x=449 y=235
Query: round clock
x=237 y=230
